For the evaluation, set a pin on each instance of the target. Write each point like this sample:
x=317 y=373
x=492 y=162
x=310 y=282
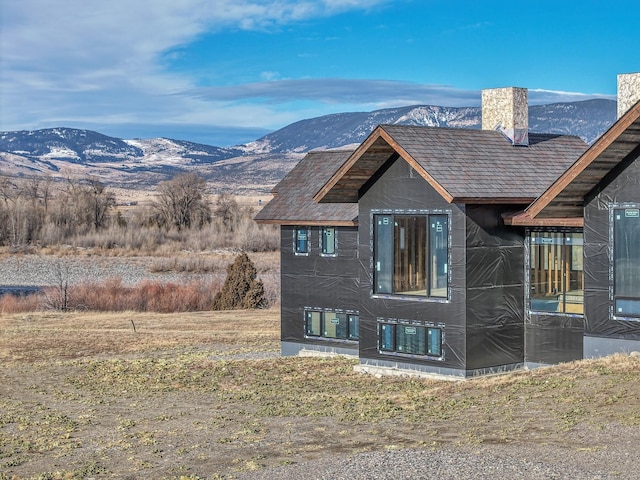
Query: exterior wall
x=604 y=332
x=550 y=338
x=318 y=282
x=495 y=289
x=398 y=190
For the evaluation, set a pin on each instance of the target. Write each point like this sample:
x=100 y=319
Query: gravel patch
x=35 y=270
x=444 y=464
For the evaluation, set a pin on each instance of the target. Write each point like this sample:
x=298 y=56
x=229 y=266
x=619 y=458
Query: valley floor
x=206 y=395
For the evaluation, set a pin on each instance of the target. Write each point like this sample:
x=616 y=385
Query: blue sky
x=225 y=72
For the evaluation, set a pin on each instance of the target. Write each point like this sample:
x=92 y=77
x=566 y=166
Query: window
x=411 y=255
x=556 y=272
x=328 y=241
x=332 y=325
x=410 y=339
x=302 y=236
x=626 y=262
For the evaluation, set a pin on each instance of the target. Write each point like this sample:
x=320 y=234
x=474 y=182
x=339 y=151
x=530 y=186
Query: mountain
x=587 y=119
x=256 y=166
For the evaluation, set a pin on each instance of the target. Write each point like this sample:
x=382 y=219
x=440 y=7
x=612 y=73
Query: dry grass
x=183 y=395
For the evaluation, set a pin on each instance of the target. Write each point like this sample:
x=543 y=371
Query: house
x=318 y=260
x=462 y=252
x=600 y=195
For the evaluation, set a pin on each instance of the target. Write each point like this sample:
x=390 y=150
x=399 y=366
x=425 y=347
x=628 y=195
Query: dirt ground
x=206 y=395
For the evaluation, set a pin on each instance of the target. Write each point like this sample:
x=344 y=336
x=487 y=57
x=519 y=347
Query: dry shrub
x=147 y=296
x=20 y=303
x=189 y=264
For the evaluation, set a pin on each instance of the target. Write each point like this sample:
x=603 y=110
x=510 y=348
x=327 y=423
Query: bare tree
x=82 y=206
x=227 y=210
x=181 y=202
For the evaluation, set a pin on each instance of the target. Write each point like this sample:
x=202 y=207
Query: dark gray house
x=319 y=260
x=600 y=196
x=442 y=274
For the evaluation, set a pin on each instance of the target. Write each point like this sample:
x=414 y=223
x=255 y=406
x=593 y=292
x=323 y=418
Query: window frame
x=388 y=335
x=351 y=326
x=613 y=260
x=563 y=245
x=296 y=232
x=384 y=266
x=323 y=244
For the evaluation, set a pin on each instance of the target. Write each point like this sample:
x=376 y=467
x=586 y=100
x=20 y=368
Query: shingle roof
x=293 y=202
x=564 y=199
x=463 y=165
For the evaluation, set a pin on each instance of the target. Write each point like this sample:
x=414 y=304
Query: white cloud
x=539 y=96
x=83 y=61
x=80 y=59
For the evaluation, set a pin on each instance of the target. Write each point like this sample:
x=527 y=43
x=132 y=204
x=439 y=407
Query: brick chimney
x=507 y=110
x=628 y=91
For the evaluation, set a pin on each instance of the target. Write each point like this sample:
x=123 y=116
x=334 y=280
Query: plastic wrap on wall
x=553 y=339
x=495 y=289
x=316 y=281
x=400 y=190
x=620 y=188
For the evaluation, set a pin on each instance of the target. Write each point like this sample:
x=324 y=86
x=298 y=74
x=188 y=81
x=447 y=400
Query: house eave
x=523 y=219
x=309 y=223
x=493 y=200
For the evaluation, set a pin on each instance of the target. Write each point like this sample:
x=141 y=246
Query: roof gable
x=563 y=202
x=467 y=166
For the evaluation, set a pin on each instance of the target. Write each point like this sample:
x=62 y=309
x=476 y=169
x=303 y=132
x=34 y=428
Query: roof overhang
x=379 y=148
x=310 y=223
x=522 y=219
x=564 y=199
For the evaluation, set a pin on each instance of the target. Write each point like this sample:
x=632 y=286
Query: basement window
x=411 y=255
x=411 y=339
x=331 y=325
x=626 y=262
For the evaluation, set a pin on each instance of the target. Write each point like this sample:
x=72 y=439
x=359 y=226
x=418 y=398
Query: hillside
x=255 y=167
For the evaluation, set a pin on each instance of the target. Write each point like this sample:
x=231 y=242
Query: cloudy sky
x=225 y=72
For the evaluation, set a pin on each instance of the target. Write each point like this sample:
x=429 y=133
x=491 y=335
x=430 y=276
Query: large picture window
x=410 y=339
x=556 y=272
x=411 y=255
x=626 y=262
x=332 y=325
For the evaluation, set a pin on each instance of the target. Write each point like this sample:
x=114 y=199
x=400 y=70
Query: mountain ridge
x=255 y=166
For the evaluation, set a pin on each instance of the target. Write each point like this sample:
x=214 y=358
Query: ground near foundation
x=206 y=395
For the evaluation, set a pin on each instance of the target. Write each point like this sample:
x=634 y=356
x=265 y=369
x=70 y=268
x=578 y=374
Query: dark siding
x=401 y=188
x=621 y=187
x=495 y=289
x=317 y=281
x=551 y=339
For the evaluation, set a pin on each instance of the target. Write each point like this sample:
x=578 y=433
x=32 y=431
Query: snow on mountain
x=257 y=165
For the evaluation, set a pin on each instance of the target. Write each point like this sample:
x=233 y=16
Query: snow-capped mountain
x=587 y=119
x=258 y=165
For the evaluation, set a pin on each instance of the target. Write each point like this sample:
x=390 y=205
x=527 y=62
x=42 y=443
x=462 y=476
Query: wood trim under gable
x=380 y=132
x=417 y=167
x=335 y=178
x=523 y=219
x=584 y=161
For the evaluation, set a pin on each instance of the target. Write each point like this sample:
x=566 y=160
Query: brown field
x=205 y=395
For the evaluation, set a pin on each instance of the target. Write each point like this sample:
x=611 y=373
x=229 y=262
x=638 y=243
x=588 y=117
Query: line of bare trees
x=39 y=211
